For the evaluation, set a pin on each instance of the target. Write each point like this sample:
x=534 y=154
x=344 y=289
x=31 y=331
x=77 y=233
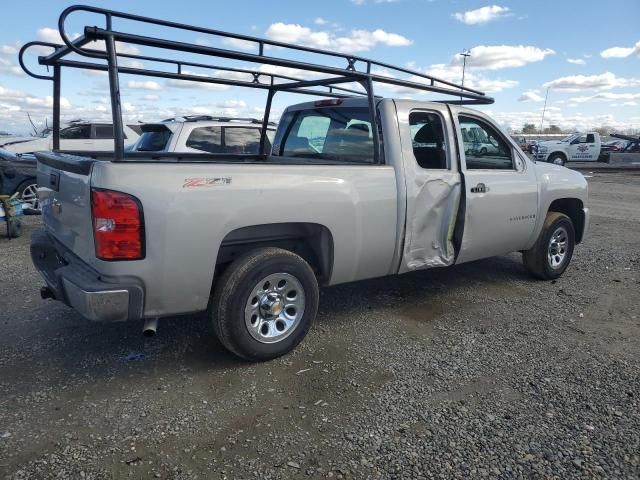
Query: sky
x=587 y=58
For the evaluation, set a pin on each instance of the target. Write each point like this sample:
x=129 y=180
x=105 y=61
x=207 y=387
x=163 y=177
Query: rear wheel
x=550 y=255
x=264 y=304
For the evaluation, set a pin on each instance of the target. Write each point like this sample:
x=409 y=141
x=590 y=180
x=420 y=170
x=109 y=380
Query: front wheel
x=550 y=255
x=264 y=304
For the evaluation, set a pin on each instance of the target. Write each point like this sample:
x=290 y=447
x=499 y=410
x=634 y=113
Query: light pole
x=465 y=54
x=544 y=109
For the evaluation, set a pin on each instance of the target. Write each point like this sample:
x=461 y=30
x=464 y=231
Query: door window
x=484 y=147
x=207 y=139
x=427 y=140
x=242 y=140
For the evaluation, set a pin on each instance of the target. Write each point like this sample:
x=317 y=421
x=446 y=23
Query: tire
x=539 y=260
x=27 y=192
x=241 y=306
x=557 y=159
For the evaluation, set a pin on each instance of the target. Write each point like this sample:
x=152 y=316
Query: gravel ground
x=473 y=371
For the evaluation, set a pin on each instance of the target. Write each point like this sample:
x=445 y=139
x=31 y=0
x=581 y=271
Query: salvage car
x=18 y=175
x=629 y=145
x=355 y=186
x=78 y=136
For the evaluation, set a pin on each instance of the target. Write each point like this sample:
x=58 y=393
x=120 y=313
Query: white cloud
x=151 y=97
x=202 y=85
x=52 y=35
x=240 y=44
x=482 y=15
x=133 y=64
x=358 y=40
x=7 y=60
x=9 y=49
x=604 y=81
x=143 y=85
x=450 y=73
x=226 y=104
x=320 y=21
x=7 y=66
x=573 y=122
x=606 y=96
x=576 y=61
x=530 y=96
x=495 y=57
x=621 y=52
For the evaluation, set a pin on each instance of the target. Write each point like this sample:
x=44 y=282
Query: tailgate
x=65 y=195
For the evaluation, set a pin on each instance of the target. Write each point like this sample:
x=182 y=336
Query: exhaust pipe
x=150 y=327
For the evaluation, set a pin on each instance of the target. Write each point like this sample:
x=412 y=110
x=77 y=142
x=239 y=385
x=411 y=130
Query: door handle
x=480 y=188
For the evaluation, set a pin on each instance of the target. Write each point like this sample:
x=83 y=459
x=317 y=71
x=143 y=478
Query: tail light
x=118 y=225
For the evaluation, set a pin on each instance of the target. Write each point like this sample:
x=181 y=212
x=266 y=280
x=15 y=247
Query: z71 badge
x=206 y=182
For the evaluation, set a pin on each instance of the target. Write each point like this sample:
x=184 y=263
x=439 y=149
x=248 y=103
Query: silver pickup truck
x=342 y=196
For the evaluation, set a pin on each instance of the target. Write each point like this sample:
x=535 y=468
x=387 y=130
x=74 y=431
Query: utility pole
x=465 y=53
x=544 y=108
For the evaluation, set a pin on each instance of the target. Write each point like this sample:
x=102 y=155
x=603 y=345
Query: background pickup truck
x=577 y=147
x=253 y=239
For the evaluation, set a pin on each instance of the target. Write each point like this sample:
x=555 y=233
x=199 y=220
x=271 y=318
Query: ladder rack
x=328 y=79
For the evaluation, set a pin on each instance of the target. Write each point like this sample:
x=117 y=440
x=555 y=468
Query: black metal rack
x=358 y=69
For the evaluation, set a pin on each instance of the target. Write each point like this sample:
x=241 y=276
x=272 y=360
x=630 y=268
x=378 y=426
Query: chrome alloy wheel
x=30 y=197
x=557 y=250
x=274 y=308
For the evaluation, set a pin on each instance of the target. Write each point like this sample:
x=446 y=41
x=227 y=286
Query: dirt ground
x=473 y=371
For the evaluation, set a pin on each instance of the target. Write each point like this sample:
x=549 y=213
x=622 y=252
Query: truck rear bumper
x=79 y=286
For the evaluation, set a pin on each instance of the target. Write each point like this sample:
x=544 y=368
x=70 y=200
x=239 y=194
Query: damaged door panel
x=433 y=185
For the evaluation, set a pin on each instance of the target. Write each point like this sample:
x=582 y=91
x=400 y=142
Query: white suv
x=203 y=134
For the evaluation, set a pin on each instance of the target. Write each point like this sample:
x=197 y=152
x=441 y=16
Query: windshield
x=569 y=138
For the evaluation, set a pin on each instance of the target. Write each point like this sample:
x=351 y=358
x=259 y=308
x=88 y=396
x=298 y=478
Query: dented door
x=433 y=186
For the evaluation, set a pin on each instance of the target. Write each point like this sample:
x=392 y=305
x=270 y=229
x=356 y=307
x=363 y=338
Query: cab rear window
x=340 y=134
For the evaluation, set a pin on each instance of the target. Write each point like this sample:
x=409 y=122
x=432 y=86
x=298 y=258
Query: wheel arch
x=312 y=241
x=572 y=208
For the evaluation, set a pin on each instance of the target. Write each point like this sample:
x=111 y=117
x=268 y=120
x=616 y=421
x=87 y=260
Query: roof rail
x=329 y=78
x=200 y=118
